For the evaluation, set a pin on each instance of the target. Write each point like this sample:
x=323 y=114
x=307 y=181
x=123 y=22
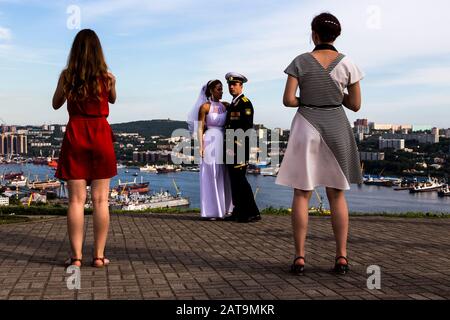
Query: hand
x=112 y=80
x=202 y=153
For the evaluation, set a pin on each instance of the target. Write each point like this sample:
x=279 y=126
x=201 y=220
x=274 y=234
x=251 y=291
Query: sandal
x=71 y=262
x=340 y=268
x=298 y=269
x=104 y=261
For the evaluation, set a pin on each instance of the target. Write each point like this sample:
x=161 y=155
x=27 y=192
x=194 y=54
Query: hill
x=148 y=128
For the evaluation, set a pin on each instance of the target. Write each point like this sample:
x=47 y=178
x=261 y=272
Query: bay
x=367 y=199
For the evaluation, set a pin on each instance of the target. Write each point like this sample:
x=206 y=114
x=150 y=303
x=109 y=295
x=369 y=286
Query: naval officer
x=239 y=116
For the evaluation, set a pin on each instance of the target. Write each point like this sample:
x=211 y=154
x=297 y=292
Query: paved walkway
x=170 y=256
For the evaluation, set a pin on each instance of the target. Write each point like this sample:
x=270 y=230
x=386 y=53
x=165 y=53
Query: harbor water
x=367 y=199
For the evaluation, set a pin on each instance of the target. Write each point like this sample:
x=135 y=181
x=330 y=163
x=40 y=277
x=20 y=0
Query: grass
x=12 y=219
x=62 y=211
x=287 y=211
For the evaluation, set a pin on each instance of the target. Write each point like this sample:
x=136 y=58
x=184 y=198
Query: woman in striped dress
x=321 y=150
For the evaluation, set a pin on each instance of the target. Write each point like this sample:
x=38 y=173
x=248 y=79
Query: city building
x=371 y=156
x=447 y=133
x=422 y=128
x=4 y=201
x=278 y=131
x=424 y=138
x=396 y=144
x=13 y=144
x=390 y=127
x=151 y=156
x=361 y=126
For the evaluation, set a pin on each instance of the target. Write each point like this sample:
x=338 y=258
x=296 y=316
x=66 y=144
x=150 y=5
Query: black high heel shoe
x=341 y=268
x=298 y=269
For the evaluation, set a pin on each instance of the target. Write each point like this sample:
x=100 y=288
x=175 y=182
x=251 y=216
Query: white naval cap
x=234 y=76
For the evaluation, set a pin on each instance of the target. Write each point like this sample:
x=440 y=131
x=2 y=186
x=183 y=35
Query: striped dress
x=321 y=150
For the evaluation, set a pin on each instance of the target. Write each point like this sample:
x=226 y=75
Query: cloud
x=431 y=76
x=5 y=34
x=92 y=10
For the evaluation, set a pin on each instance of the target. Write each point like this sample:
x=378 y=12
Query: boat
x=155 y=201
x=444 y=191
x=18 y=182
x=270 y=171
x=42 y=161
x=381 y=182
x=253 y=170
x=42 y=185
x=428 y=186
x=402 y=187
x=192 y=169
x=53 y=163
x=132 y=187
x=167 y=169
x=12 y=175
x=148 y=168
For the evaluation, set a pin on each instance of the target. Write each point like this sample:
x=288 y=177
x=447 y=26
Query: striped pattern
x=316 y=86
x=317 y=89
x=335 y=130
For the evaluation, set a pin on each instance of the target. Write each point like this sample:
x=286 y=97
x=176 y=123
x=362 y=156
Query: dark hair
x=86 y=67
x=327 y=27
x=211 y=84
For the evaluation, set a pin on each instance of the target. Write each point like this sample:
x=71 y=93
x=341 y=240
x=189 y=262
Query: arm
x=112 y=88
x=352 y=100
x=290 y=99
x=201 y=125
x=59 y=97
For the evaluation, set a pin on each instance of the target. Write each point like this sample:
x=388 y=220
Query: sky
x=162 y=52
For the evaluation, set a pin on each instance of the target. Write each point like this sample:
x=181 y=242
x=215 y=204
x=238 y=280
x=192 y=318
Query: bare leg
x=100 y=193
x=75 y=216
x=339 y=220
x=300 y=221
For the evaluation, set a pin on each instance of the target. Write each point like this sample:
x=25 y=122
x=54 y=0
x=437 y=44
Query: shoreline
x=18 y=212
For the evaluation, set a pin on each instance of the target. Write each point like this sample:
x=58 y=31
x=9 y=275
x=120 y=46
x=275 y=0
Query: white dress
x=215 y=190
x=321 y=150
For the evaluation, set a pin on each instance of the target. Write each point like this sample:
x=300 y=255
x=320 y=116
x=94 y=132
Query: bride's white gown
x=215 y=190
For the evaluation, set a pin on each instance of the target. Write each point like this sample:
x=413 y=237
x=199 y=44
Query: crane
x=256 y=192
x=30 y=199
x=320 y=199
x=176 y=187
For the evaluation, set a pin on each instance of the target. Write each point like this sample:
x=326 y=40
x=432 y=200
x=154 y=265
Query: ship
x=148 y=168
x=253 y=170
x=156 y=201
x=131 y=187
x=270 y=171
x=40 y=161
x=444 y=191
x=53 y=164
x=428 y=186
x=381 y=182
x=13 y=175
x=167 y=169
x=18 y=182
x=43 y=185
x=163 y=199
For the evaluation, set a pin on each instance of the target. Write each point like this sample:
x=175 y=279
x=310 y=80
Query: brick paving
x=173 y=256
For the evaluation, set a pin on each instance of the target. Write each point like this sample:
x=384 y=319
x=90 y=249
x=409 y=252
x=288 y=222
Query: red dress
x=87 y=150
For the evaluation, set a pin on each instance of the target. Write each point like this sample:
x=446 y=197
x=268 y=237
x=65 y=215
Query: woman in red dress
x=87 y=155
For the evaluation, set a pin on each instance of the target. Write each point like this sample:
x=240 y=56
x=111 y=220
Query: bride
x=206 y=120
